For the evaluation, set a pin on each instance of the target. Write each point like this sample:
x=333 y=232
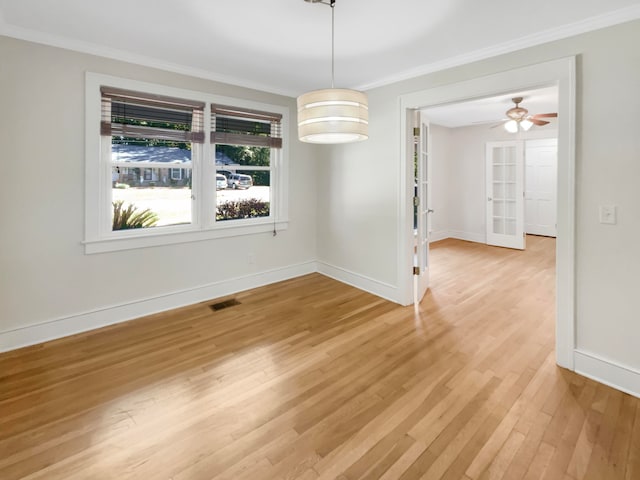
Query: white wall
x=48 y=285
x=459 y=176
x=357 y=214
x=607 y=170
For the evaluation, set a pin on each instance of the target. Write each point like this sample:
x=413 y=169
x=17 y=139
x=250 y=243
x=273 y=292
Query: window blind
x=139 y=115
x=238 y=126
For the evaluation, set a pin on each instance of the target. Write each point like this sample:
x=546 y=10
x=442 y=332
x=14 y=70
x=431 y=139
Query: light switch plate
x=608 y=214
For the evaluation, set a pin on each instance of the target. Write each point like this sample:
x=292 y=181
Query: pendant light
x=333 y=115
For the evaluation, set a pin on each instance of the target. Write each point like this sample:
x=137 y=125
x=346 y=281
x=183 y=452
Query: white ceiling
x=283 y=46
x=492 y=110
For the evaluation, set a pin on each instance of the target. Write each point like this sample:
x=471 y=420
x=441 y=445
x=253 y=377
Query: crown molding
x=66 y=43
x=584 y=26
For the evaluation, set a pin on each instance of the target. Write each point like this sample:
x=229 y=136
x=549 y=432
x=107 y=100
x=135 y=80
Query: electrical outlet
x=608 y=214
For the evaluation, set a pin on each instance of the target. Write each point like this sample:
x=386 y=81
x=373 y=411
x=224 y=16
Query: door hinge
x=416 y=201
x=416 y=131
x=416 y=270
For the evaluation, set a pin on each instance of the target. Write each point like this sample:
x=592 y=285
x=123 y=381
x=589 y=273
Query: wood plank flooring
x=312 y=379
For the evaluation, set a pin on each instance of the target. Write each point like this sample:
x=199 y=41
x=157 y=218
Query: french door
x=421 y=206
x=505 y=194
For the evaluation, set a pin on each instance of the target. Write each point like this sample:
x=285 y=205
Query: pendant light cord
x=333 y=4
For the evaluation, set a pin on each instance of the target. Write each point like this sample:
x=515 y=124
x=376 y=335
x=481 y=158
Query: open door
x=421 y=203
x=505 y=194
x=540 y=185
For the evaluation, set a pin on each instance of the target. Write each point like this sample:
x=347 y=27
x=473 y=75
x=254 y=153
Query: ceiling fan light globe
x=511 y=126
x=526 y=124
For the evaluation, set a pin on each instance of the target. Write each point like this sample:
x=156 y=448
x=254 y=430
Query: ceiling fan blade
x=497 y=125
x=537 y=121
x=545 y=115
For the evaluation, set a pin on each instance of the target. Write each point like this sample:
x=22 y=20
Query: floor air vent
x=227 y=303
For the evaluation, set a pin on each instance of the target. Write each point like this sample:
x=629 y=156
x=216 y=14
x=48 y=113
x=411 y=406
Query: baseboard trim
x=620 y=377
x=437 y=236
x=468 y=236
x=376 y=287
x=82 y=322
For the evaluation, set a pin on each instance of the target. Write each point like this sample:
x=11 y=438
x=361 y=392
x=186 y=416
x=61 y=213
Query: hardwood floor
x=312 y=379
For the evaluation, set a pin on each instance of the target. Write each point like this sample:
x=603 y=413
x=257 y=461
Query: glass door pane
x=504 y=176
x=504 y=191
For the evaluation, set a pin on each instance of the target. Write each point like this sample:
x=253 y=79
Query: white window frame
x=99 y=236
x=179 y=173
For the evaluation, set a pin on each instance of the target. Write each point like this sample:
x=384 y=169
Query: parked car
x=238 y=180
x=221 y=181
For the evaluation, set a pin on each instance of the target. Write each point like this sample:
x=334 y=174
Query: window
x=176 y=174
x=244 y=141
x=149 y=134
x=163 y=183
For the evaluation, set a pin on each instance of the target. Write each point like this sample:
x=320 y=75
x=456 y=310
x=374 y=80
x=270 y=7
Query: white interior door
x=422 y=211
x=540 y=180
x=505 y=194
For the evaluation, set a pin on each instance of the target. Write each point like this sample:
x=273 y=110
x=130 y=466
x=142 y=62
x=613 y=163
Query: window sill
x=148 y=239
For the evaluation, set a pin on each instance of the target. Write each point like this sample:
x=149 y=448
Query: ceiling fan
x=519 y=118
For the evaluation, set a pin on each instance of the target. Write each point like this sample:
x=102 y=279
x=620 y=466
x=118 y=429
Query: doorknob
x=430 y=210
x=489 y=199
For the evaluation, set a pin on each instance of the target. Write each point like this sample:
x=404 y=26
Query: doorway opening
x=491 y=185
x=559 y=73
x=481 y=168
